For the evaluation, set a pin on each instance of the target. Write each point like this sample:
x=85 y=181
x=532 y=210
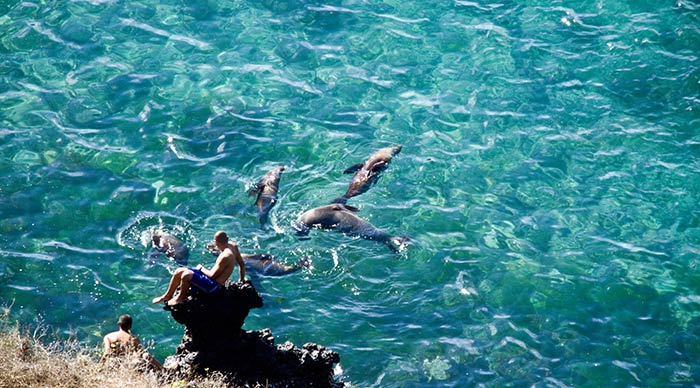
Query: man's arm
x=239 y=261
x=223 y=264
x=105 y=350
x=214 y=271
x=106 y=346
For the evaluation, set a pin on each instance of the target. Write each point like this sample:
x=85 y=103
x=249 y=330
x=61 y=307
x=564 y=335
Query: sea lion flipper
x=341 y=200
x=353 y=169
x=379 y=166
x=350 y=208
x=254 y=190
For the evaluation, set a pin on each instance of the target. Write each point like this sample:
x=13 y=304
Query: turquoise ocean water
x=549 y=178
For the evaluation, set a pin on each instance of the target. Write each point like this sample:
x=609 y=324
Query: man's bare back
x=225 y=264
x=219 y=273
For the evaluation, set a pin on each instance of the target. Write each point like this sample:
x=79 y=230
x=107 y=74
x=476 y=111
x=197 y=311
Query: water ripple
x=60 y=244
x=157 y=31
x=34 y=256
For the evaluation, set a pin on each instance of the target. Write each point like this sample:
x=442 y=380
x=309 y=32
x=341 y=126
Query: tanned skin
x=225 y=263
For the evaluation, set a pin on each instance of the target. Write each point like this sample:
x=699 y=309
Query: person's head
x=124 y=322
x=221 y=239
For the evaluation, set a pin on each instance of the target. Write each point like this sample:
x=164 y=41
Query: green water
x=548 y=178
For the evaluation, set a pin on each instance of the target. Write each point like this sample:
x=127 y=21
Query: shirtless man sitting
x=122 y=343
x=208 y=280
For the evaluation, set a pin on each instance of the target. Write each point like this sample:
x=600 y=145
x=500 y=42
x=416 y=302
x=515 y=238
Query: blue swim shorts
x=204 y=282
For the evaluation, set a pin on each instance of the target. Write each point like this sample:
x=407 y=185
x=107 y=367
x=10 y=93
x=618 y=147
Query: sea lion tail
x=305 y=262
x=398 y=243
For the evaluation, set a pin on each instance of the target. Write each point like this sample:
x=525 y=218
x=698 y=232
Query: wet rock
x=214 y=341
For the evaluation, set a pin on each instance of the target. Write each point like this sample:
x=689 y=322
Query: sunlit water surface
x=548 y=178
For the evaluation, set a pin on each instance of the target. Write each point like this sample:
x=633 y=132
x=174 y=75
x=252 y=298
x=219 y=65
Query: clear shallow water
x=549 y=177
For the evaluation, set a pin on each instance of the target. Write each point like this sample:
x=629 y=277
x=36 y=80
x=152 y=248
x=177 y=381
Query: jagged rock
x=224 y=311
x=214 y=342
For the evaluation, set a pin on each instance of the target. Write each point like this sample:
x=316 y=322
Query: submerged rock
x=214 y=341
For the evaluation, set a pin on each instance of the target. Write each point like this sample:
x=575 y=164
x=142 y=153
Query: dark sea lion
x=170 y=246
x=266 y=190
x=343 y=219
x=366 y=174
x=265 y=264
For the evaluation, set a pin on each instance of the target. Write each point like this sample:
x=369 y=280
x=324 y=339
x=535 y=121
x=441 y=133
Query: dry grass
x=30 y=360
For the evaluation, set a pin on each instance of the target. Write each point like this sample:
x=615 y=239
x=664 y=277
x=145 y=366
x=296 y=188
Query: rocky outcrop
x=214 y=341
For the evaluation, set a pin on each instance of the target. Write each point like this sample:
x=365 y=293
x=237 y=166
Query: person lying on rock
x=211 y=280
x=121 y=343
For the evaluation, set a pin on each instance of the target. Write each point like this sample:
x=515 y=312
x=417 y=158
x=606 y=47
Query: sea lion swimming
x=343 y=219
x=266 y=190
x=366 y=174
x=170 y=246
x=265 y=264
